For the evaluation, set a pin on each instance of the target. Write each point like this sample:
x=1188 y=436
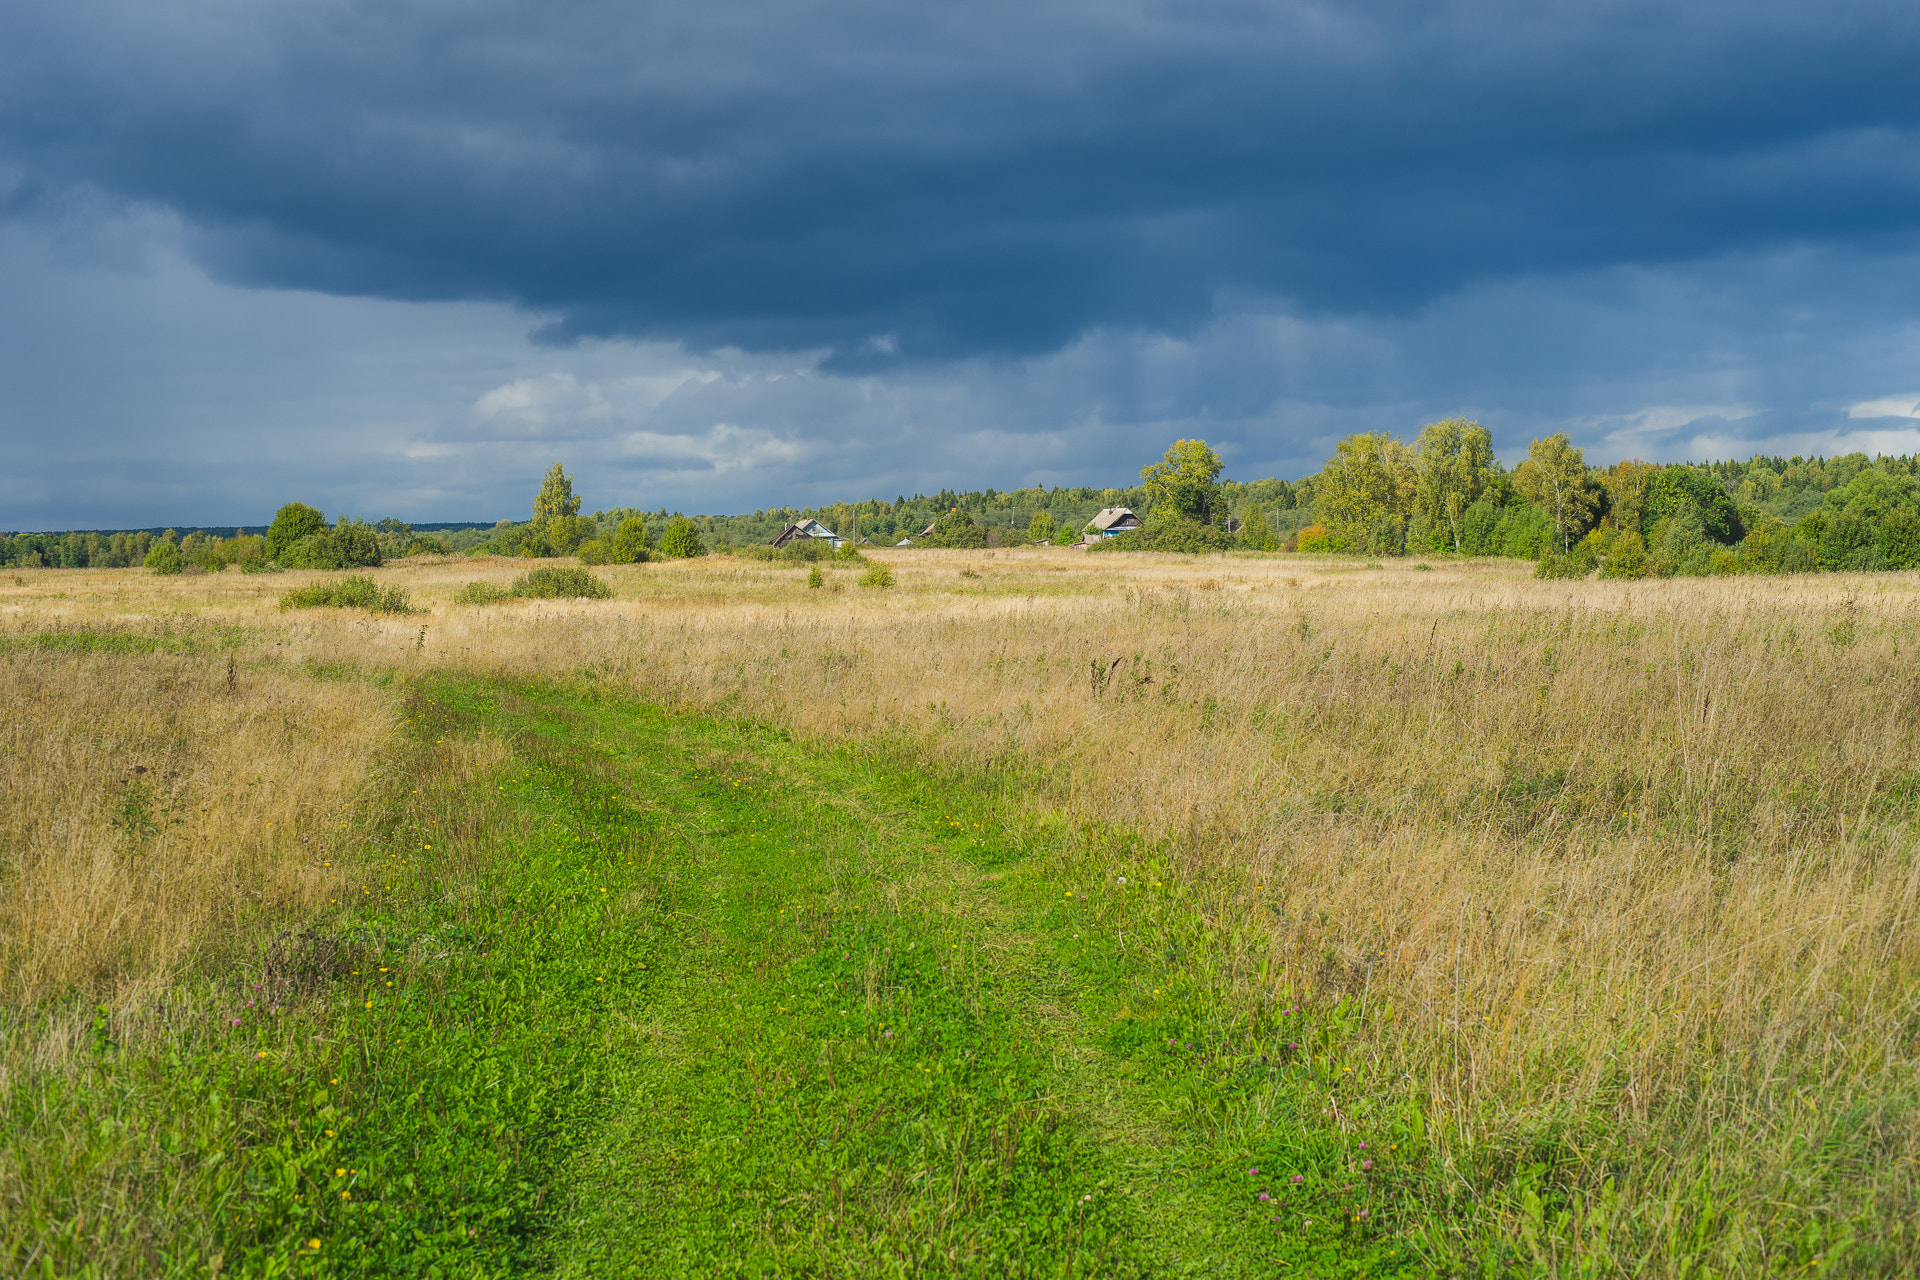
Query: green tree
x=1676 y=488
x=1626 y=557
x=1182 y=483
x=955 y=529
x=165 y=555
x=1368 y=484
x=1628 y=486
x=629 y=544
x=1187 y=536
x=291 y=523
x=1554 y=478
x=1898 y=538
x=1040 y=528
x=1874 y=494
x=566 y=533
x=555 y=499
x=356 y=544
x=1455 y=471
x=682 y=540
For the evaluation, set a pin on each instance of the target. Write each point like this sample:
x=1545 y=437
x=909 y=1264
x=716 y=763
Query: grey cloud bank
x=398 y=257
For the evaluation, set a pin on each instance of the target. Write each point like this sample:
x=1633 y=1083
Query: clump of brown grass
x=1619 y=879
x=154 y=801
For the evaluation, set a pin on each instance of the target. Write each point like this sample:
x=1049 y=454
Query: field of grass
x=1035 y=915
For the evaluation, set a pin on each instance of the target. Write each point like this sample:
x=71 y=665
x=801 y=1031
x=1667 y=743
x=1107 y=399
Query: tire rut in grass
x=866 y=1055
x=834 y=1079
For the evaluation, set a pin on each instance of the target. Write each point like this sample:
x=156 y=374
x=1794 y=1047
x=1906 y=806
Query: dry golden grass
x=150 y=803
x=1621 y=875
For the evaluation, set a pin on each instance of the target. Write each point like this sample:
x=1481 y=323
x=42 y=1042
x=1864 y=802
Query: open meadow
x=1302 y=915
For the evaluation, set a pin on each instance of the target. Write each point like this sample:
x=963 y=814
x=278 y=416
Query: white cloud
x=559 y=404
x=1907 y=406
x=547 y=405
x=723 y=448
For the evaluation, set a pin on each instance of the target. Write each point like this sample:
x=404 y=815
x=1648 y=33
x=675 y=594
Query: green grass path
x=728 y=1007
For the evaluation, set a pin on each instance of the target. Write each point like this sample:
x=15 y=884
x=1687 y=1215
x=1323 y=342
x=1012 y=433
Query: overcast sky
x=396 y=258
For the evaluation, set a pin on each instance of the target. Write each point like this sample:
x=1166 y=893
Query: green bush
x=1898 y=538
x=630 y=544
x=815 y=578
x=1577 y=563
x=877 y=575
x=1178 y=534
x=1845 y=538
x=1554 y=565
x=348 y=593
x=956 y=529
x=799 y=551
x=1523 y=532
x=1478 y=536
x=482 y=593
x=1626 y=557
x=1680 y=488
x=566 y=533
x=164 y=557
x=1800 y=556
x=350 y=544
x=681 y=541
x=1320 y=540
x=291 y=523
x=560 y=582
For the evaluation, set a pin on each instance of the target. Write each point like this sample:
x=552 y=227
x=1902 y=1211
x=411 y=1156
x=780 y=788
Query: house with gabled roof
x=808 y=529
x=1113 y=521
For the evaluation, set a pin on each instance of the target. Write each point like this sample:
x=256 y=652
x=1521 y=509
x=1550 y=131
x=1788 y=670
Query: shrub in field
x=1899 y=539
x=560 y=582
x=814 y=577
x=164 y=557
x=1319 y=538
x=799 y=551
x=1577 y=563
x=1626 y=557
x=1555 y=565
x=1477 y=529
x=557 y=582
x=681 y=541
x=350 y=544
x=1176 y=534
x=877 y=575
x=956 y=529
x=629 y=544
x=291 y=523
x=482 y=593
x=348 y=593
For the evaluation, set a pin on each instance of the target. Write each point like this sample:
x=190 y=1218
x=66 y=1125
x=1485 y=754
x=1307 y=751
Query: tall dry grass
x=1618 y=878
x=157 y=804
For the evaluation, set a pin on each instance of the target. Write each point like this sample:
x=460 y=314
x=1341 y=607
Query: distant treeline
x=345 y=543
x=1769 y=514
x=1444 y=494
x=1004 y=516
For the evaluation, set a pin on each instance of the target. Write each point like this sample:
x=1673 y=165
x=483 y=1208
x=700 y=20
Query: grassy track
x=670 y=997
x=796 y=1015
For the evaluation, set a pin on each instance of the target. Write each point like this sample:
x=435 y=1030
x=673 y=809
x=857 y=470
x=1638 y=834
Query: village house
x=809 y=529
x=1113 y=521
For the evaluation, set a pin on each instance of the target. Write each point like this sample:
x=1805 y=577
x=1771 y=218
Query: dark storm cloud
x=932 y=181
